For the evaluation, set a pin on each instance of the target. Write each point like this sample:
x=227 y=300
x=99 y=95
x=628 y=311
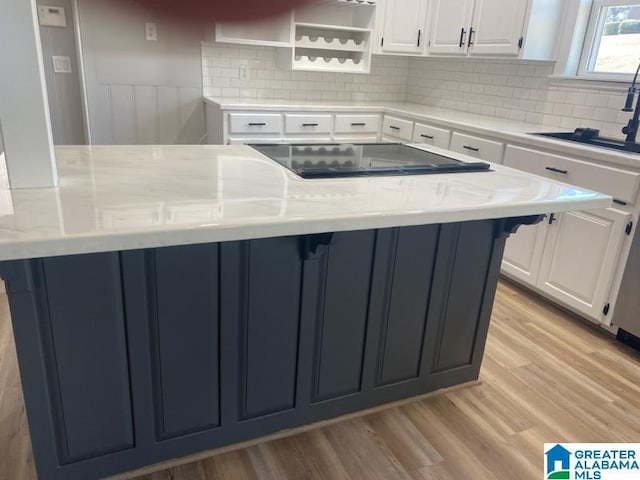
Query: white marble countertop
x=510 y=131
x=129 y=197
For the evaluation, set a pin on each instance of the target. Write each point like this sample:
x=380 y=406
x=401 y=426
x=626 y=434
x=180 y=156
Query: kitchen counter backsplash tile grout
x=515 y=90
x=221 y=78
x=504 y=88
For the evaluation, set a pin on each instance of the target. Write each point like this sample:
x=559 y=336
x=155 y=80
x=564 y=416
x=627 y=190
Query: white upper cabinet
x=497 y=27
x=450 y=24
x=404 y=26
x=527 y=29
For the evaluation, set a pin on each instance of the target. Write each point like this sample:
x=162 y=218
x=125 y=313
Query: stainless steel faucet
x=631 y=129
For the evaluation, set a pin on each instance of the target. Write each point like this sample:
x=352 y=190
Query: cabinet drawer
x=437 y=137
x=302 y=123
x=620 y=184
x=255 y=123
x=396 y=127
x=357 y=123
x=481 y=148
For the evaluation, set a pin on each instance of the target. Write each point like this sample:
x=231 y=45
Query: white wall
x=515 y=89
x=63 y=89
x=221 y=78
x=139 y=91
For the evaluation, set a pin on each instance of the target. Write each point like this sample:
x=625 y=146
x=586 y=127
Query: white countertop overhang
x=131 y=197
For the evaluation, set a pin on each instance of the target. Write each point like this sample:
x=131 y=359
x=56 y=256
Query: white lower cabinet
x=438 y=137
x=397 y=128
x=477 y=147
x=523 y=253
x=580 y=258
x=572 y=258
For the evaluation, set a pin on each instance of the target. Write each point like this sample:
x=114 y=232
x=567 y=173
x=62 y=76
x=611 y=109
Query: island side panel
x=69 y=327
x=340 y=318
x=467 y=280
x=406 y=297
x=183 y=286
x=255 y=329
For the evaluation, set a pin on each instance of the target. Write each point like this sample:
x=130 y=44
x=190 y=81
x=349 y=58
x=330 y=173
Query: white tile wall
x=514 y=89
x=221 y=78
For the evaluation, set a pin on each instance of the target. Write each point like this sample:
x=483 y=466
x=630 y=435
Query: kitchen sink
x=594 y=141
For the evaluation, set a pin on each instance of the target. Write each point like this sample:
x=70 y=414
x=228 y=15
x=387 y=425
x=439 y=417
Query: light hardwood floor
x=546 y=377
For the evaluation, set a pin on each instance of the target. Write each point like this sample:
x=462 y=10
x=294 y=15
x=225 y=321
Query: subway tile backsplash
x=221 y=78
x=514 y=89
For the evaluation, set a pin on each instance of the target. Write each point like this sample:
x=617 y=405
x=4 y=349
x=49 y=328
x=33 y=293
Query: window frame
x=592 y=41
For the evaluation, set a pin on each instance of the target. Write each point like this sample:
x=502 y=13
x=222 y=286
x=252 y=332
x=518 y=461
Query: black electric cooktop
x=357 y=160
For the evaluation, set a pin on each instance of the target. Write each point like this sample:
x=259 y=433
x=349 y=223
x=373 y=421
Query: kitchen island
x=170 y=300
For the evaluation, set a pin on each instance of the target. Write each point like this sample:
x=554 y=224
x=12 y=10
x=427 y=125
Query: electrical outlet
x=151 y=32
x=61 y=64
x=244 y=72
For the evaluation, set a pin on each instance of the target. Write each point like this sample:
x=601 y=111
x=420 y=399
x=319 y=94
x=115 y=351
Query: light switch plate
x=51 y=16
x=151 y=31
x=61 y=64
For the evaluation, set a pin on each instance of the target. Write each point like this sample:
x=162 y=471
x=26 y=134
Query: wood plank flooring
x=546 y=377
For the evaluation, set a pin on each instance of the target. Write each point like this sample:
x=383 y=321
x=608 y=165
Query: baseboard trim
x=285 y=433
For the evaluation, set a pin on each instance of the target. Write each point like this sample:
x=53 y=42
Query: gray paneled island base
x=171 y=300
x=134 y=357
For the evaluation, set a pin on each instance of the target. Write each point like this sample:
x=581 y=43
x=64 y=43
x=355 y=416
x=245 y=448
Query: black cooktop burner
x=357 y=160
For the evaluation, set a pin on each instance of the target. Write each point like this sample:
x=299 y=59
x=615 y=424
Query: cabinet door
x=404 y=26
x=450 y=24
x=580 y=257
x=523 y=253
x=497 y=27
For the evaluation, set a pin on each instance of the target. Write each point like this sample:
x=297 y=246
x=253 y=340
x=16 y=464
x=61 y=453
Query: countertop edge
x=158 y=238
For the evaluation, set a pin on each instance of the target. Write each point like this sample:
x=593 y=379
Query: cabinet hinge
x=606 y=309
x=520 y=42
x=628 y=228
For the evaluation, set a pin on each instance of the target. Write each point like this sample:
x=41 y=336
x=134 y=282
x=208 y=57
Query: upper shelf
x=348 y=3
x=324 y=43
x=338 y=28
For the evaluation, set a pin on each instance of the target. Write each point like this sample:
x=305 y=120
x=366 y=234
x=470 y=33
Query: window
x=612 y=46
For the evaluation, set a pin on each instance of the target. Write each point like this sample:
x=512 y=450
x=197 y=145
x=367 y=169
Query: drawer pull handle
x=359 y=124
x=257 y=124
x=473 y=149
x=393 y=127
x=462 y=37
x=424 y=135
x=309 y=124
x=557 y=170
